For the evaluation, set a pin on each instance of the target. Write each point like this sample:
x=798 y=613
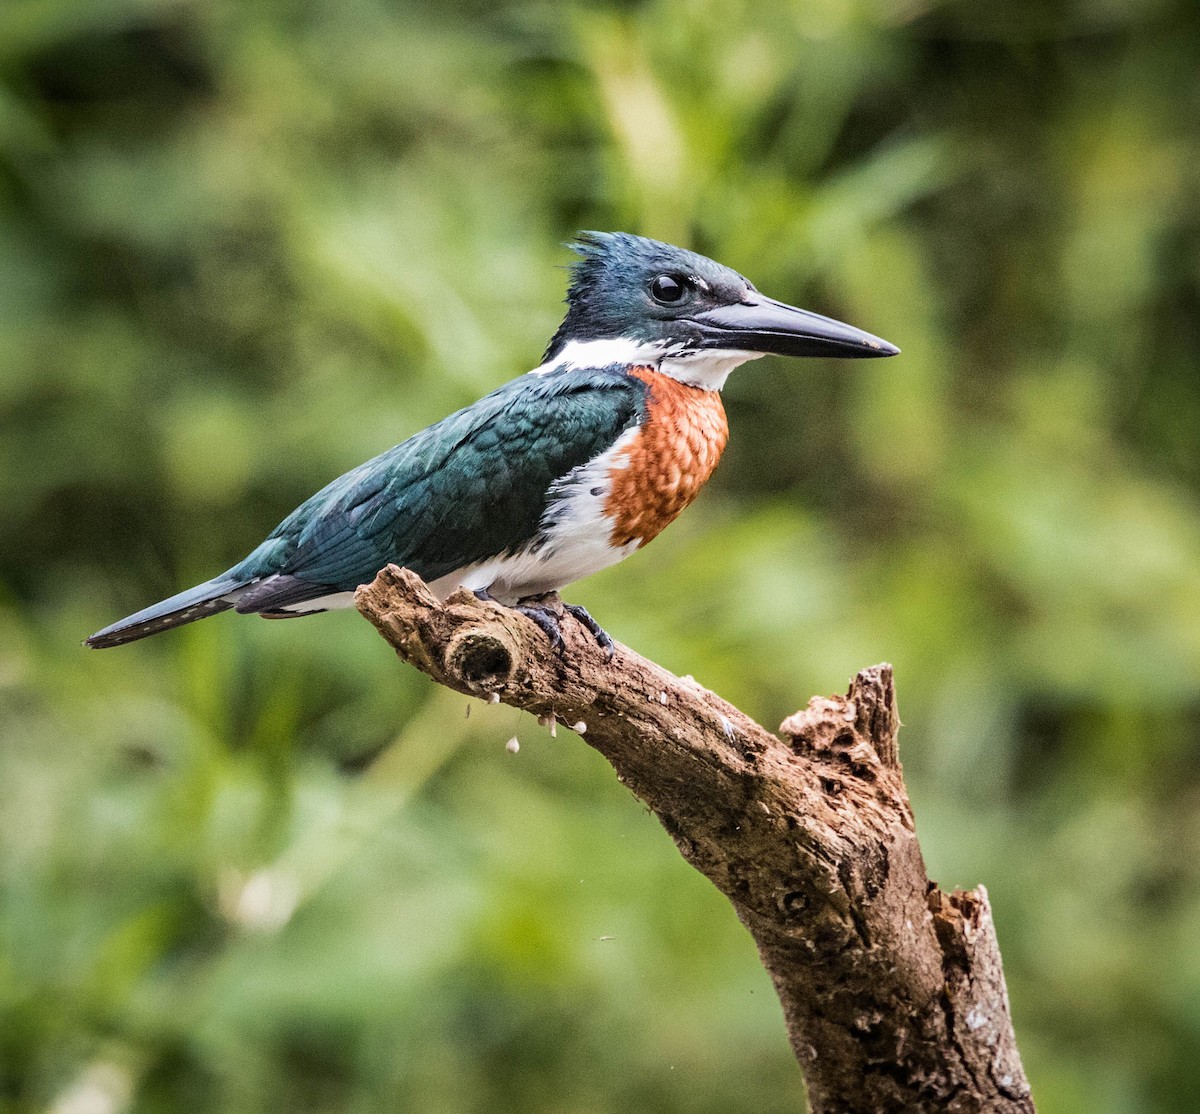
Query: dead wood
x=892 y=991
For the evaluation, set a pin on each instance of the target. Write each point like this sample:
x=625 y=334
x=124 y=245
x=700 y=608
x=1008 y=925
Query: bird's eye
x=668 y=289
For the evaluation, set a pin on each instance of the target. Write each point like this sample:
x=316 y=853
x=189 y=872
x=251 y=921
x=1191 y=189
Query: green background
x=258 y=866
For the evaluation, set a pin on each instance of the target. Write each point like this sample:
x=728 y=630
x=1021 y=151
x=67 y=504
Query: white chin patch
x=708 y=369
x=602 y=353
x=705 y=369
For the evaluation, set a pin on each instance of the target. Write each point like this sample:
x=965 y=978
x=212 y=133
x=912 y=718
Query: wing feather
x=471 y=487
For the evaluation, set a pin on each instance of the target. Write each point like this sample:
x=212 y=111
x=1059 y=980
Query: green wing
x=470 y=487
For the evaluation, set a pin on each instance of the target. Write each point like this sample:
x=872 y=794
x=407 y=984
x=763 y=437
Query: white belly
x=574 y=544
x=509 y=579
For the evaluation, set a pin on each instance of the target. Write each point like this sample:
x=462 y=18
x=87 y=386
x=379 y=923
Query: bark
x=892 y=991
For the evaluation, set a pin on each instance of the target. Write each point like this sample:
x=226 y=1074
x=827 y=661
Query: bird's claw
x=546 y=619
x=542 y=611
x=601 y=636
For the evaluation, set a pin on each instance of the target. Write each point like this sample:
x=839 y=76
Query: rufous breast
x=664 y=467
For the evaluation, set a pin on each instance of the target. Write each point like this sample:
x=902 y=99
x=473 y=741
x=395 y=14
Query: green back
x=472 y=486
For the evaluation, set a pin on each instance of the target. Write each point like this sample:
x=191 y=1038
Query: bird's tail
x=205 y=599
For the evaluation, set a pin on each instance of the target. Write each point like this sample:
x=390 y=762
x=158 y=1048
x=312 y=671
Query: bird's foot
x=601 y=636
x=546 y=618
x=546 y=611
x=534 y=607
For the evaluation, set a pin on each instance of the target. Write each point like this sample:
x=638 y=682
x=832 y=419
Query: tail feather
x=206 y=599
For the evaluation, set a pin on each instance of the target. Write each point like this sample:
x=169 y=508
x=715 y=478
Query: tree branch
x=892 y=991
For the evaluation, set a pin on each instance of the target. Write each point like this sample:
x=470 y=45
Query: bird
x=551 y=477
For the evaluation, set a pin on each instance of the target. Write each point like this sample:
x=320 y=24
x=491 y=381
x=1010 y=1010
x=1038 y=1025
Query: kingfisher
x=554 y=476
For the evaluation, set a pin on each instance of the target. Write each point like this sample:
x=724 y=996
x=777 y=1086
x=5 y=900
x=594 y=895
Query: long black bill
x=765 y=325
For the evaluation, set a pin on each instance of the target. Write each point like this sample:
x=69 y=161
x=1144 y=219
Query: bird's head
x=634 y=300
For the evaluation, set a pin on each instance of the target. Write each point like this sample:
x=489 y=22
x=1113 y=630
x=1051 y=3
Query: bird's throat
x=706 y=370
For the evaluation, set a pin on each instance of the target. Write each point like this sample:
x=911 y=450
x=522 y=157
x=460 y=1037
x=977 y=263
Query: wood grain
x=893 y=992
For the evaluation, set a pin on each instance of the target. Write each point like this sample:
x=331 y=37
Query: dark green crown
x=613 y=291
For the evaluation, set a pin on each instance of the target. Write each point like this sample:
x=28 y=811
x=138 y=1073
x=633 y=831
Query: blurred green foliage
x=244 y=246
